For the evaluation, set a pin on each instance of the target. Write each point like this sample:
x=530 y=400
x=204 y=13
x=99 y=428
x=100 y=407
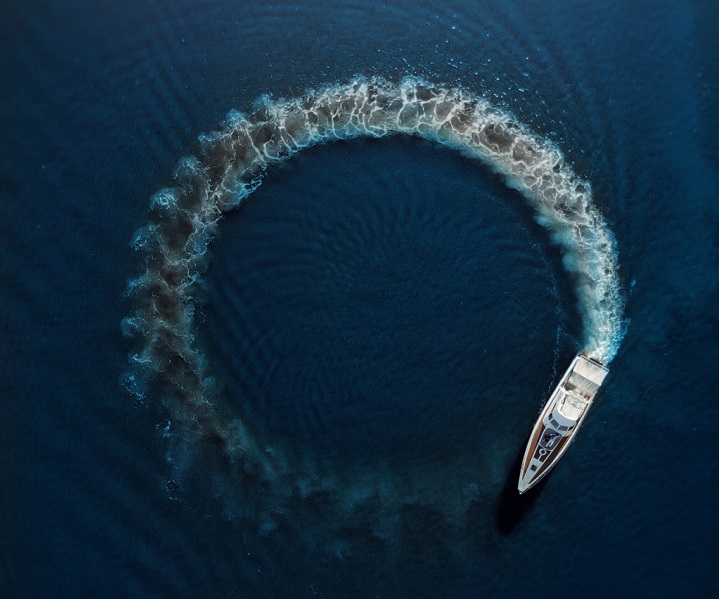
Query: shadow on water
x=511 y=506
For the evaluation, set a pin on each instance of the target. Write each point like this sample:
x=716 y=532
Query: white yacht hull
x=560 y=419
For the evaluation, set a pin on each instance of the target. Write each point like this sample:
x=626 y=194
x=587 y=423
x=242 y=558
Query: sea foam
x=168 y=360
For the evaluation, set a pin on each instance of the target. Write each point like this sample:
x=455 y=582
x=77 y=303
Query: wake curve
x=231 y=165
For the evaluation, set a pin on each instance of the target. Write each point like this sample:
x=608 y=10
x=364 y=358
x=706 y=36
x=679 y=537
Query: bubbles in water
x=169 y=362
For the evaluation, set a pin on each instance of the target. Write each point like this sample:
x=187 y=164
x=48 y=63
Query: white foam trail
x=231 y=166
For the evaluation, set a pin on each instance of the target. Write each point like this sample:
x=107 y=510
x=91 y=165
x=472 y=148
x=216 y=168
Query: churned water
x=329 y=388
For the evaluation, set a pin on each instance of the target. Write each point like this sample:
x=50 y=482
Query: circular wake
x=169 y=362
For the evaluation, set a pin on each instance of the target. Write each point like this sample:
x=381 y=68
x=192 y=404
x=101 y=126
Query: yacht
x=560 y=419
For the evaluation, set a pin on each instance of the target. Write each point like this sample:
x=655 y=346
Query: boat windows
x=556 y=425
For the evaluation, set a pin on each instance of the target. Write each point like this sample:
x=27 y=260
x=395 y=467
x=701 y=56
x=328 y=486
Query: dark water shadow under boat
x=511 y=506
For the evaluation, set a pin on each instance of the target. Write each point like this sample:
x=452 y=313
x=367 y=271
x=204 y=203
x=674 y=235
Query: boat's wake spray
x=173 y=246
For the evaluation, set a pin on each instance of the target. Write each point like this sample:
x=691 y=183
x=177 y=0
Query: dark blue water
x=378 y=308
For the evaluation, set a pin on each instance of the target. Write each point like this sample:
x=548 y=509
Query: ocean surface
x=381 y=320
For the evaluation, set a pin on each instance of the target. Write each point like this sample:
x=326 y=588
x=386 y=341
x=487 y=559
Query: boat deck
x=570 y=401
